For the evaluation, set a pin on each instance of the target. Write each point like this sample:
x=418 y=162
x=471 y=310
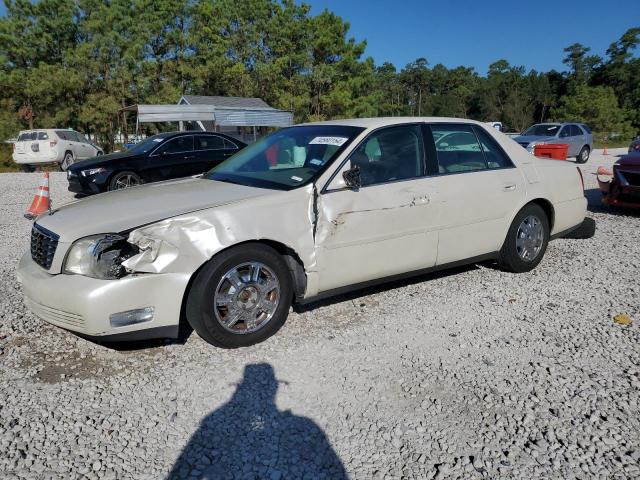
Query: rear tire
x=526 y=240
x=67 y=161
x=212 y=291
x=124 y=179
x=27 y=168
x=583 y=156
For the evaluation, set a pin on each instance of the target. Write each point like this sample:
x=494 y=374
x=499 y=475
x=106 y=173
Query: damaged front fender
x=175 y=244
x=182 y=244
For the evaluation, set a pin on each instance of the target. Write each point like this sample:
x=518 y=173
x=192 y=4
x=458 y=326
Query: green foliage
x=75 y=63
x=595 y=106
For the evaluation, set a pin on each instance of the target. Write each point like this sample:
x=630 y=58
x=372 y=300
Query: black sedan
x=161 y=157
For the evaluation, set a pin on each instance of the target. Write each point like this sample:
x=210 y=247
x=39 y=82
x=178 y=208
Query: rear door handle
x=422 y=200
x=509 y=188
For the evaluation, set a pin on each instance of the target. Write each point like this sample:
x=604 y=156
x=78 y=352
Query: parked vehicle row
x=63 y=147
x=161 y=157
x=307 y=212
x=577 y=135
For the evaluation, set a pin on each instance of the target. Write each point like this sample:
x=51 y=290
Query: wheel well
x=548 y=210
x=291 y=258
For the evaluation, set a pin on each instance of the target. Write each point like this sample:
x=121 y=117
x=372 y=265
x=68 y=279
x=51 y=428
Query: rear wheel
x=67 y=161
x=27 y=168
x=124 y=179
x=583 y=156
x=526 y=240
x=240 y=297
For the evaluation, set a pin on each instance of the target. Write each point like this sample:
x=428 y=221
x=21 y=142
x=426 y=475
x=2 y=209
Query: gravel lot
x=474 y=373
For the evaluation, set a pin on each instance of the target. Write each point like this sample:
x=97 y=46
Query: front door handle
x=509 y=188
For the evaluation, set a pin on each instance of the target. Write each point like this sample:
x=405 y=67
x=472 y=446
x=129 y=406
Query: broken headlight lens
x=99 y=256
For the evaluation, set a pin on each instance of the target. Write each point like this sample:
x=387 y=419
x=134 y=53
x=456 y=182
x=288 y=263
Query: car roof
x=387 y=121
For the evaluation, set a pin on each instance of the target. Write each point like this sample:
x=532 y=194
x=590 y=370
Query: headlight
x=99 y=256
x=92 y=171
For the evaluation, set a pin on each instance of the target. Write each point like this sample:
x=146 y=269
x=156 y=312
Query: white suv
x=63 y=147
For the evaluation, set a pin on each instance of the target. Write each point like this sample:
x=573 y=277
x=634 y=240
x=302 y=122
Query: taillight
x=53 y=143
x=14 y=147
x=581 y=178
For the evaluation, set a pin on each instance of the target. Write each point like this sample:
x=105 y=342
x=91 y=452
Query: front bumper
x=87 y=185
x=83 y=304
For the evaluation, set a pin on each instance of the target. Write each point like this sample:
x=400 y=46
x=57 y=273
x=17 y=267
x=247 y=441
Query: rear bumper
x=84 y=305
x=22 y=159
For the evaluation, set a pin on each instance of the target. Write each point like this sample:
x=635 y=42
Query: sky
x=475 y=33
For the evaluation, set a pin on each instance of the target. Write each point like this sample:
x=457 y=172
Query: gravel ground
x=473 y=373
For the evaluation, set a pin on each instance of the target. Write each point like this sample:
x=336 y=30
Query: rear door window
x=575 y=131
x=209 y=142
x=457 y=148
x=177 y=145
x=63 y=135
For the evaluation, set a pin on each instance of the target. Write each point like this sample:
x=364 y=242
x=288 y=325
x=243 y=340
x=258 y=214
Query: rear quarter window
x=43 y=136
x=585 y=128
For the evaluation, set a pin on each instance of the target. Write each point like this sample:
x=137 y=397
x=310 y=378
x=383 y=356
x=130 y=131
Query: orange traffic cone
x=604 y=171
x=605 y=151
x=41 y=202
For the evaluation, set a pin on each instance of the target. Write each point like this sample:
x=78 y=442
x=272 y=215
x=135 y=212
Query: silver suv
x=576 y=135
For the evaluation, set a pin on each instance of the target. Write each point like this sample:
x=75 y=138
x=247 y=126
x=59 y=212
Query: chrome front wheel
x=241 y=296
x=246 y=298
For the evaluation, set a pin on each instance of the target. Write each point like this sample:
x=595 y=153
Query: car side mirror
x=352 y=177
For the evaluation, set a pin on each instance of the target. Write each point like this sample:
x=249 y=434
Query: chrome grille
x=43 y=246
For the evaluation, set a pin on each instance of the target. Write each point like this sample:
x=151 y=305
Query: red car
x=622 y=189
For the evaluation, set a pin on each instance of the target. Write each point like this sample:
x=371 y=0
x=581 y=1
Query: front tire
x=583 y=156
x=27 y=168
x=124 y=179
x=526 y=240
x=240 y=297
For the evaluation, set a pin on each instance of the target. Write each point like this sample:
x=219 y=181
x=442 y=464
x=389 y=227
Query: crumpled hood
x=133 y=207
x=533 y=138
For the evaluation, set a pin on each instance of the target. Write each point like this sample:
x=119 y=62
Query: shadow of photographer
x=250 y=438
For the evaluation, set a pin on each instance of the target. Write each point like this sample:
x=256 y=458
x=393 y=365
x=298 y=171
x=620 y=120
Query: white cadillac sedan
x=307 y=212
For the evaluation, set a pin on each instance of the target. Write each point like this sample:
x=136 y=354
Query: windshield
x=542 y=130
x=286 y=159
x=148 y=144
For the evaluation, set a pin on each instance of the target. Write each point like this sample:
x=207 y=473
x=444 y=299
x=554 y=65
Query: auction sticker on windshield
x=337 y=141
